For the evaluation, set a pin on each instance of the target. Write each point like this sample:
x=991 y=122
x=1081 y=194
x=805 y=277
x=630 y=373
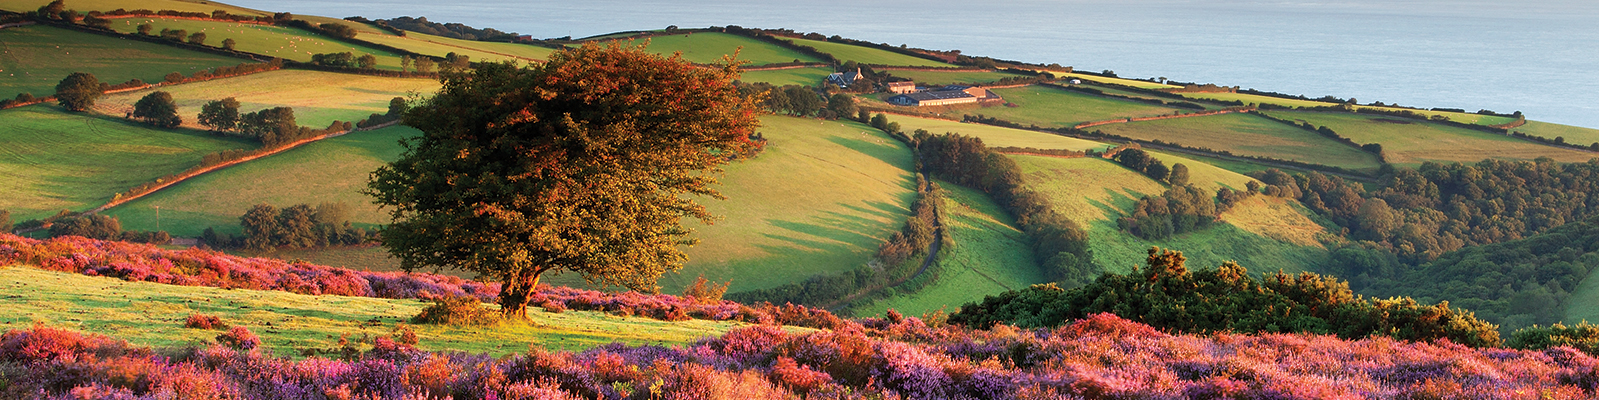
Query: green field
x=995 y=136
x=272 y=41
x=330 y=170
x=809 y=76
x=1407 y=142
x=1262 y=234
x=1054 y=108
x=1249 y=135
x=318 y=98
x=1583 y=305
x=1119 y=81
x=439 y=46
x=33 y=59
x=52 y=160
x=204 y=6
x=989 y=256
x=867 y=55
x=1468 y=118
x=152 y=314
x=1572 y=134
x=709 y=47
x=940 y=78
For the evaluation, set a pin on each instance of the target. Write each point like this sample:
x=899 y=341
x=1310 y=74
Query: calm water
x=1539 y=57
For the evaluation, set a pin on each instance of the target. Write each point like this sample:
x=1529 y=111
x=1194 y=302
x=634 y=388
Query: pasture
x=1055 y=108
x=710 y=47
x=807 y=76
x=995 y=136
x=439 y=46
x=989 y=256
x=1119 y=81
x=1465 y=118
x=53 y=160
x=941 y=78
x=318 y=98
x=268 y=40
x=1572 y=134
x=330 y=170
x=1095 y=192
x=1249 y=135
x=152 y=314
x=1408 y=142
x=1583 y=305
x=866 y=55
x=108 y=5
x=33 y=59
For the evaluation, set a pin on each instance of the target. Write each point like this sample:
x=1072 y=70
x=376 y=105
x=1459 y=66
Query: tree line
x=1059 y=244
x=297 y=226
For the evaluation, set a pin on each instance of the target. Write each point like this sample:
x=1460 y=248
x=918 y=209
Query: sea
x=1538 y=57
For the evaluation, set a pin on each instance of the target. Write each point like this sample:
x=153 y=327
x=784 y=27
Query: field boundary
x=1162 y=117
x=190 y=174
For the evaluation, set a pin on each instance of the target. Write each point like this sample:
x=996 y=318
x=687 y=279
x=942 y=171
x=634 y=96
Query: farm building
x=902 y=87
x=953 y=94
x=844 y=79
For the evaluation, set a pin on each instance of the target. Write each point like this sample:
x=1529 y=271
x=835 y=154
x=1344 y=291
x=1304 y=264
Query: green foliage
x=1180 y=210
x=457 y=311
x=1179 y=175
x=228 y=43
x=1138 y=160
x=158 y=109
x=220 y=115
x=297 y=226
x=273 y=126
x=580 y=164
x=336 y=60
x=367 y=61
x=77 y=92
x=1166 y=295
x=197 y=38
x=102 y=227
x=1582 y=336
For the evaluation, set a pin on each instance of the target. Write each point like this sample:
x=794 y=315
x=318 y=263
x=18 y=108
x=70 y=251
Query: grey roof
x=937 y=95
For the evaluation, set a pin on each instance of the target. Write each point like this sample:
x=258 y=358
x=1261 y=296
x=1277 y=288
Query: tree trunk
x=514 y=295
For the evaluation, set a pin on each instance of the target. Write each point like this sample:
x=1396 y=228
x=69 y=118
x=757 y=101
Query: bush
x=201 y=321
x=457 y=311
x=239 y=338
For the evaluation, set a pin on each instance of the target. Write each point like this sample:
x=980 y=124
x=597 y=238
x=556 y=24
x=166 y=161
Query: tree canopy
x=78 y=91
x=581 y=164
x=158 y=109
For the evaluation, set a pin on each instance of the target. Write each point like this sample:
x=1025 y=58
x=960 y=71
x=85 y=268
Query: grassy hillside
x=1262 y=235
x=33 y=59
x=1249 y=135
x=439 y=46
x=152 y=314
x=53 y=160
x=1119 y=81
x=1583 y=305
x=204 y=6
x=995 y=136
x=1572 y=134
x=1407 y=142
x=798 y=76
x=1053 y=108
x=709 y=47
x=867 y=55
x=272 y=41
x=331 y=170
x=936 y=78
x=1468 y=118
x=318 y=98
x=989 y=256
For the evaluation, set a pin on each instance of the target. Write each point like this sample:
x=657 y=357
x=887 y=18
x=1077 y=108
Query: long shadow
x=890 y=151
x=821 y=231
x=875 y=212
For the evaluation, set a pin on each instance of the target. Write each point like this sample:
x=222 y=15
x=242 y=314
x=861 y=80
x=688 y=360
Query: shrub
x=201 y=321
x=239 y=338
x=457 y=311
x=706 y=292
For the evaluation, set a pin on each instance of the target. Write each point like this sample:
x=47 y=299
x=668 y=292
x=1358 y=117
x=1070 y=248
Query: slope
x=1407 y=142
x=269 y=40
x=866 y=55
x=1249 y=135
x=318 y=98
x=33 y=59
x=710 y=47
x=1055 y=108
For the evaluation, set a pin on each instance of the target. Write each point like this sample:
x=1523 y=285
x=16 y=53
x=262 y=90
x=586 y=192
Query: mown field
x=989 y=256
x=1468 y=118
x=272 y=41
x=940 y=78
x=810 y=76
x=439 y=46
x=52 y=160
x=867 y=55
x=1249 y=135
x=1054 y=108
x=331 y=170
x=318 y=98
x=33 y=59
x=152 y=314
x=709 y=47
x=1572 y=134
x=1094 y=192
x=1119 y=81
x=108 y=5
x=995 y=136
x=1408 y=142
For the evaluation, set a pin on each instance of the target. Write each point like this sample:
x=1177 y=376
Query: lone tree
x=581 y=164
x=78 y=91
x=158 y=109
x=220 y=115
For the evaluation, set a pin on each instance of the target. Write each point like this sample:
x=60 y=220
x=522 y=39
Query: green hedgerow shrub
x=457 y=310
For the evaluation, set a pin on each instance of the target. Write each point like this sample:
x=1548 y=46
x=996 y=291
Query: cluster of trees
x=95 y=226
x=1141 y=161
x=1167 y=296
x=1182 y=208
x=423 y=65
x=297 y=226
x=345 y=60
x=797 y=100
x=451 y=30
x=272 y=126
x=1059 y=245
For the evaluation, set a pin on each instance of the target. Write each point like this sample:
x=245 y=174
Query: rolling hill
x=318 y=98
x=33 y=59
